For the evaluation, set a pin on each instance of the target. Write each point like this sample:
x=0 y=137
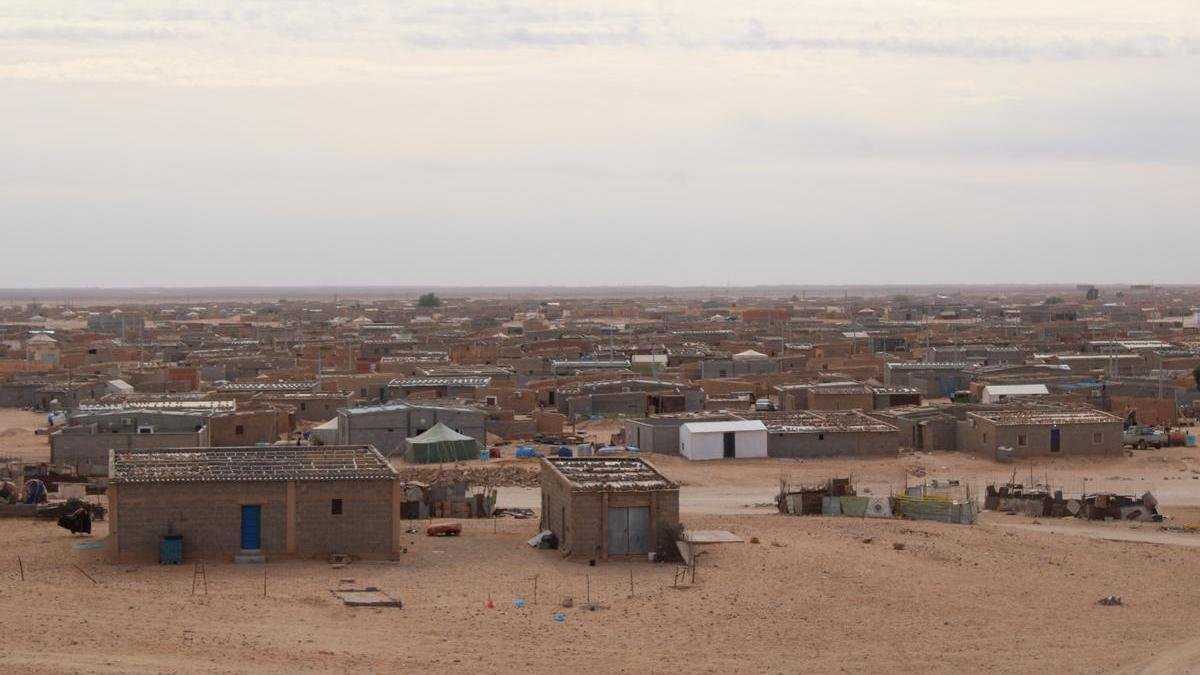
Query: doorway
x=730 y=445
x=628 y=530
x=1055 y=440
x=251 y=527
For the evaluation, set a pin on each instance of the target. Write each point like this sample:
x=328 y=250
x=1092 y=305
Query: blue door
x=1055 y=440
x=251 y=527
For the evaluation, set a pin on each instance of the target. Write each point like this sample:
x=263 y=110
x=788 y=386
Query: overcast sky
x=598 y=142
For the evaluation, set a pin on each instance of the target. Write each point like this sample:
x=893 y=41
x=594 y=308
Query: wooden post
x=631 y=583
x=535 y=579
x=264 y=581
x=397 y=499
x=654 y=544
x=84 y=573
x=604 y=526
x=290 y=525
x=114 y=537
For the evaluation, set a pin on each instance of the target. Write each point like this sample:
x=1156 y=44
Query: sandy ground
x=17 y=438
x=1008 y=594
x=812 y=595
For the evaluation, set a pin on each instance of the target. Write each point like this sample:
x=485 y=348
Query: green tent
x=440 y=444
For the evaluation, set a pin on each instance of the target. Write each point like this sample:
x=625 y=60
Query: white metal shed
x=723 y=440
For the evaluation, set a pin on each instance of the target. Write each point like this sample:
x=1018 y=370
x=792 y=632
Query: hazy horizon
x=585 y=143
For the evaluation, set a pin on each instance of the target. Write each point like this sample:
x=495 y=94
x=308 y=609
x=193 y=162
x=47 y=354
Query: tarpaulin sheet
x=831 y=506
x=879 y=507
x=854 y=506
x=929 y=508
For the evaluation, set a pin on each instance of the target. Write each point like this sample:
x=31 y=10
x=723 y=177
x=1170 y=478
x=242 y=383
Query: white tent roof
x=750 y=354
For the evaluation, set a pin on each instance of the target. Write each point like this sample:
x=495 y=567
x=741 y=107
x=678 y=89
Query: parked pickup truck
x=1143 y=437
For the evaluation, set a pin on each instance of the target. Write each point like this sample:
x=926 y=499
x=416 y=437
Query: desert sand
x=824 y=594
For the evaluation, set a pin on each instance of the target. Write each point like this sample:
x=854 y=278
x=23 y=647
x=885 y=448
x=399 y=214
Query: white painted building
x=1001 y=393
x=723 y=440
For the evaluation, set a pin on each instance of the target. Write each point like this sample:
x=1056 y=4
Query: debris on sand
x=366 y=597
x=504 y=476
x=1110 y=601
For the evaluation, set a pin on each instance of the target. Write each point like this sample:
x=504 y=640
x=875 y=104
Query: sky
x=598 y=142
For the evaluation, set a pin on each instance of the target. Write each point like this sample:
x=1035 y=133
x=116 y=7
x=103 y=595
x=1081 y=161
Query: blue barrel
x=171 y=552
x=484 y=455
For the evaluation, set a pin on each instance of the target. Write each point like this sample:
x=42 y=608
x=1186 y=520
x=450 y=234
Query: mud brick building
x=1029 y=433
x=603 y=508
x=250 y=503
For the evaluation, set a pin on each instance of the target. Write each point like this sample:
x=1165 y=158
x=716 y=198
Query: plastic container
x=171 y=552
x=1191 y=440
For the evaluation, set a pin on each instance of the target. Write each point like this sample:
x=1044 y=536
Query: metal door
x=730 y=444
x=618 y=531
x=1055 y=440
x=251 y=527
x=639 y=529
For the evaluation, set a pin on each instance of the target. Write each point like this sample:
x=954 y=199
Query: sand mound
x=15 y=431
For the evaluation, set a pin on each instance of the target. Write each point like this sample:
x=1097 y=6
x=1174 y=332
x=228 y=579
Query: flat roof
x=927 y=365
x=1016 y=389
x=1008 y=418
x=722 y=427
x=397 y=407
x=809 y=421
x=267 y=386
x=268 y=463
x=609 y=473
x=169 y=404
x=454 y=381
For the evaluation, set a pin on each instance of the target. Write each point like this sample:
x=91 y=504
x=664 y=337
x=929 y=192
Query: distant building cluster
x=141 y=389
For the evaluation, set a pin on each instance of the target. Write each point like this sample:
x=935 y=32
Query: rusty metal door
x=618 y=531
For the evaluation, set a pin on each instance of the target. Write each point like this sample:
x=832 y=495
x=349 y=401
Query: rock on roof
x=609 y=473
x=271 y=463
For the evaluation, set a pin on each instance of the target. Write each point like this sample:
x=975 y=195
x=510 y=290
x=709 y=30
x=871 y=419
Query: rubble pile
x=500 y=476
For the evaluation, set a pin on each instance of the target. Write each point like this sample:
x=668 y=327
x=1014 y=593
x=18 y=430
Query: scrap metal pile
x=1040 y=501
x=837 y=497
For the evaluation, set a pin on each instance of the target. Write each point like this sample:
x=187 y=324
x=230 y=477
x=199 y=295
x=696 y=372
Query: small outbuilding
x=602 y=508
x=251 y=502
x=1003 y=393
x=723 y=440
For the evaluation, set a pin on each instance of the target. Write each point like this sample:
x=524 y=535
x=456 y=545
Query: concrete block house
x=254 y=502
x=604 y=508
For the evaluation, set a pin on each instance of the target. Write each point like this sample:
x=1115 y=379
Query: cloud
x=247 y=40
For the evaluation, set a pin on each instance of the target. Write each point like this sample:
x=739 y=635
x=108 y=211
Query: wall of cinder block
x=1074 y=439
x=365 y=525
x=88 y=453
x=209 y=516
x=834 y=444
x=556 y=505
x=577 y=518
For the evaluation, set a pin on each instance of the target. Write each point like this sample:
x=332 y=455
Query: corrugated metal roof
x=722 y=427
x=1015 y=389
x=610 y=473
x=247 y=464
